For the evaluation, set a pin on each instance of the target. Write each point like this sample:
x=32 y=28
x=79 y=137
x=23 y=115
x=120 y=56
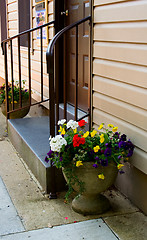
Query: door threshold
x=71 y=111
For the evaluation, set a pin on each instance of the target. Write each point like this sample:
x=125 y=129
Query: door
x=78 y=9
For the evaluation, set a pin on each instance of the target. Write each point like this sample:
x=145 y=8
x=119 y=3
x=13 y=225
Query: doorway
x=78 y=9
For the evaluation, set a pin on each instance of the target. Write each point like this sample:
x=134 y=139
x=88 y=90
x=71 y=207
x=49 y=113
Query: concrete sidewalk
x=26 y=212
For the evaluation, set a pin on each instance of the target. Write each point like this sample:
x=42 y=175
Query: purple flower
x=61 y=159
x=119 y=157
x=46 y=159
x=104 y=162
x=96 y=158
x=126 y=145
x=50 y=153
x=121 y=144
x=130 y=153
x=121 y=172
x=52 y=163
x=130 y=145
x=123 y=137
x=108 y=145
x=107 y=152
x=95 y=165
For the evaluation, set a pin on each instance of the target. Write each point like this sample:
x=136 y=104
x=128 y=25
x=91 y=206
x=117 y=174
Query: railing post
x=6 y=79
x=19 y=66
x=50 y=70
x=29 y=66
x=12 y=80
x=41 y=47
x=77 y=74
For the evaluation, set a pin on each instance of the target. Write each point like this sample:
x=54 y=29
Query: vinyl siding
x=120 y=70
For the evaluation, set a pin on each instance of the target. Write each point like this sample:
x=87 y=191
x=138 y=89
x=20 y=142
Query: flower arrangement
x=72 y=148
x=24 y=92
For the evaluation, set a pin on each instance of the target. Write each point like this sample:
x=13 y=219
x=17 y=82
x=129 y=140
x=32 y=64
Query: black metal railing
x=54 y=90
x=4 y=46
x=53 y=84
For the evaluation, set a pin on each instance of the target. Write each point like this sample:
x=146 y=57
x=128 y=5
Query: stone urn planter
x=91 y=201
x=18 y=114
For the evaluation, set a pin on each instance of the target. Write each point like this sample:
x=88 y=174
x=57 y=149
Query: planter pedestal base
x=90 y=205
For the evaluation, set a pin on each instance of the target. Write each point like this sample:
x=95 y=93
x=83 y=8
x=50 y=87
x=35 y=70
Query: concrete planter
x=18 y=114
x=91 y=201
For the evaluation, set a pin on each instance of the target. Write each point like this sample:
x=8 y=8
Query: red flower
x=77 y=140
x=82 y=123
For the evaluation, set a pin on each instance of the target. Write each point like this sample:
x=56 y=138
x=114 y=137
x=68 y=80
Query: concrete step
x=30 y=137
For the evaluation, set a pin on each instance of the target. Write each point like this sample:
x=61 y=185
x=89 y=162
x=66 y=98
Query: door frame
x=59 y=6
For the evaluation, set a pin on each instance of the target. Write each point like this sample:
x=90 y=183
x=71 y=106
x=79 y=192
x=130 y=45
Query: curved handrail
x=51 y=45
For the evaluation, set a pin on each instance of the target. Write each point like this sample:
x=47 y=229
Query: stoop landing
x=30 y=137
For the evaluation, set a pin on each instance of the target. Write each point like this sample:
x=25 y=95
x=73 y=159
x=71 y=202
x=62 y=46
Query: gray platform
x=30 y=137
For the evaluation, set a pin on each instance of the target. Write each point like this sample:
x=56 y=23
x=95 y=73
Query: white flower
x=50 y=137
x=57 y=143
x=72 y=124
x=61 y=122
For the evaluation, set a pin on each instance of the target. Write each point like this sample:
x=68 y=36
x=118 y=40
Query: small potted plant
x=25 y=100
x=90 y=161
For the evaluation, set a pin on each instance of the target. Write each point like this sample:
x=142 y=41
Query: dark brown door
x=78 y=9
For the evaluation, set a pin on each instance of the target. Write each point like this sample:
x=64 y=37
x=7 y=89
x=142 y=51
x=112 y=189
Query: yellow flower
x=9 y=97
x=63 y=132
x=114 y=129
x=60 y=130
x=102 y=139
x=93 y=133
x=79 y=163
x=111 y=125
x=101 y=176
x=86 y=134
x=101 y=126
x=96 y=148
x=75 y=130
x=120 y=166
x=15 y=101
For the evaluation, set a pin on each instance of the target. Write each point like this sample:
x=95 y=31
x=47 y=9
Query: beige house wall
x=120 y=82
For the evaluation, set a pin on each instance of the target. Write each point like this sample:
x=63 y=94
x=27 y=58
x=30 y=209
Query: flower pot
x=91 y=201
x=18 y=114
